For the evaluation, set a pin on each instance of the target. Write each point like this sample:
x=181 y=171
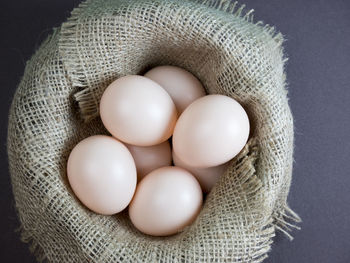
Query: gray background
x=318 y=46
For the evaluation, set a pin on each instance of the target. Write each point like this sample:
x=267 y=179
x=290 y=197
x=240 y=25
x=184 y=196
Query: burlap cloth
x=56 y=106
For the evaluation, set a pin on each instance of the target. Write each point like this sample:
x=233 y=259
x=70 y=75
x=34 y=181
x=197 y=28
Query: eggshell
x=211 y=131
x=149 y=158
x=207 y=177
x=166 y=200
x=138 y=111
x=102 y=174
x=183 y=87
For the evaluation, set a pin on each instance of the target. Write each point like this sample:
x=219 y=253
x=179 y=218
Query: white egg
x=166 y=200
x=102 y=174
x=136 y=110
x=182 y=86
x=211 y=131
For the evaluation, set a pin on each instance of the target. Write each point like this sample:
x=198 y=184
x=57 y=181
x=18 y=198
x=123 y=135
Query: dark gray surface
x=318 y=47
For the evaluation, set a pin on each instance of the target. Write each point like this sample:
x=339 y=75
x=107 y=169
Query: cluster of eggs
x=133 y=167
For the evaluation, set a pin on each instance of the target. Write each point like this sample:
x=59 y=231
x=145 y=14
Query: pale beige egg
x=211 y=131
x=138 y=111
x=166 y=200
x=207 y=177
x=149 y=158
x=182 y=86
x=102 y=174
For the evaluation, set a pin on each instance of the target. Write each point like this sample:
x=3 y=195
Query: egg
x=138 y=111
x=207 y=177
x=211 y=131
x=149 y=158
x=102 y=174
x=183 y=87
x=166 y=200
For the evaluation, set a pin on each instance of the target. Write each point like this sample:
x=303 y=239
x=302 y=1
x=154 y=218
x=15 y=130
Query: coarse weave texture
x=56 y=106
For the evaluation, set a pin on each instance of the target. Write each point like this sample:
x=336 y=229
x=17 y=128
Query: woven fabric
x=56 y=106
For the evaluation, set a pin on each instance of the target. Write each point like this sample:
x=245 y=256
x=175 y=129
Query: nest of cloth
x=56 y=106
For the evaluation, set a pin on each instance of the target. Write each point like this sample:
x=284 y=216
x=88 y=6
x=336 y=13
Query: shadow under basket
x=56 y=106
